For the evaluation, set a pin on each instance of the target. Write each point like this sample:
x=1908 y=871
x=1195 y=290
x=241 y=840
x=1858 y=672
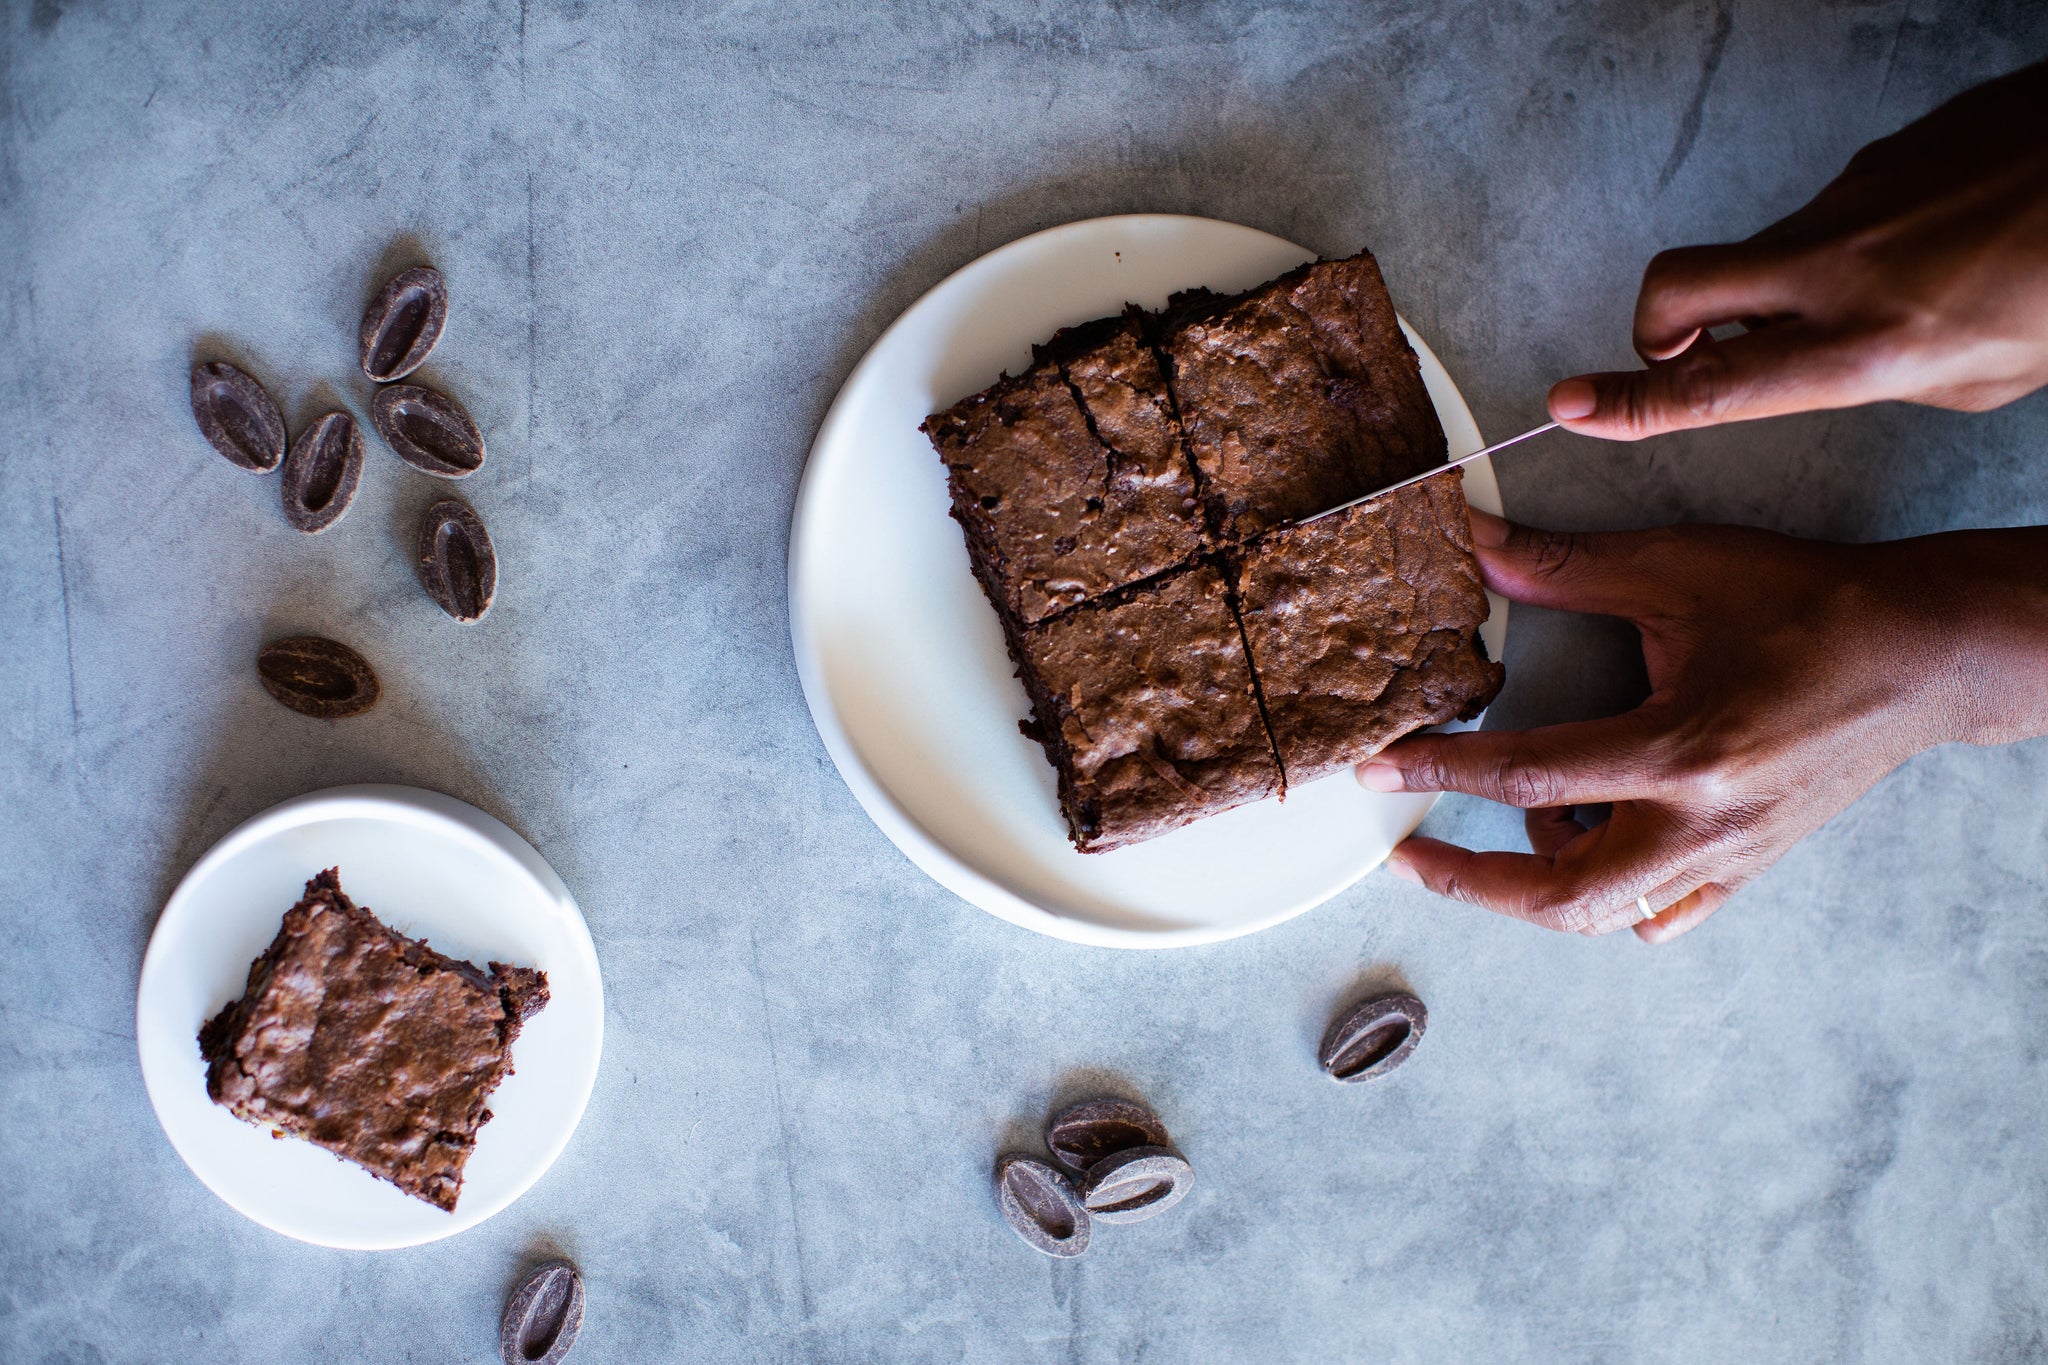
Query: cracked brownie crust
x=1062 y=502
x=1364 y=626
x=1298 y=395
x=1144 y=704
x=368 y=1043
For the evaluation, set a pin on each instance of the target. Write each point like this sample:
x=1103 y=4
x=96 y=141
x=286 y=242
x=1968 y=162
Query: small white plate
x=902 y=659
x=428 y=866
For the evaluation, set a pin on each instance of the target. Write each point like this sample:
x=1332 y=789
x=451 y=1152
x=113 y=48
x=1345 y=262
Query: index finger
x=1687 y=290
x=1582 y=763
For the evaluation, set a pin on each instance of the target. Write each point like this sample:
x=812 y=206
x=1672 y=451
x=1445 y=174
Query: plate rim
x=925 y=851
x=411 y=805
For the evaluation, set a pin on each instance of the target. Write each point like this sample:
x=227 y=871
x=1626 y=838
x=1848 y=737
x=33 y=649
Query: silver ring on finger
x=1643 y=910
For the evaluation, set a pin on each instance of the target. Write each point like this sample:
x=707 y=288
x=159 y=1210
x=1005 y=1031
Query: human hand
x=1786 y=677
x=1920 y=273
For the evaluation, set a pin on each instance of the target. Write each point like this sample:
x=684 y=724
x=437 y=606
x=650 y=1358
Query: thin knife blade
x=1429 y=473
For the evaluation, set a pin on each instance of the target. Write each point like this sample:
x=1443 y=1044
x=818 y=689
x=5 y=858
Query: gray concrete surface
x=1811 y=1131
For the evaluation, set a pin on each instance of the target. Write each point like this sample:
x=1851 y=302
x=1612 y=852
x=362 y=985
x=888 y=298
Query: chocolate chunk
x=402 y=323
x=320 y=678
x=543 y=1316
x=1082 y=1134
x=321 y=473
x=237 y=416
x=1041 y=1206
x=1135 y=1184
x=430 y=431
x=1373 y=1038
x=458 y=567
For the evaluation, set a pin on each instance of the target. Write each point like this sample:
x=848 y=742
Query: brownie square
x=1070 y=480
x=1298 y=395
x=1145 y=706
x=369 y=1043
x=1364 y=626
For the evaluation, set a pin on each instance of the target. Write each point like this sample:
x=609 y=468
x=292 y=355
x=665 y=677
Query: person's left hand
x=1786 y=678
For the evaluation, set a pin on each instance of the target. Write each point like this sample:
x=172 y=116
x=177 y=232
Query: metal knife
x=1429 y=473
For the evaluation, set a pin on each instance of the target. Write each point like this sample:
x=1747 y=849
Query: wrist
x=1981 y=597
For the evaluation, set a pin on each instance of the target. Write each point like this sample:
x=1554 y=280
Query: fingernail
x=1380 y=777
x=1402 y=870
x=1572 y=399
x=1489 y=532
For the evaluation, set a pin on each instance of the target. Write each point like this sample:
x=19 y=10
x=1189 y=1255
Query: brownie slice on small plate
x=1145 y=706
x=370 y=1044
x=1364 y=626
x=1299 y=395
x=1070 y=480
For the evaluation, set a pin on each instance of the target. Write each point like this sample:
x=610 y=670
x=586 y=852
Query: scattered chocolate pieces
x=402 y=323
x=1373 y=1038
x=320 y=678
x=238 y=417
x=1082 y=1134
x=543 y=1316
x=458 y=567
x=1135 y=1184
x=1041 y=1205
x=430 y=431
x=321 y=473
x=1125 y=1166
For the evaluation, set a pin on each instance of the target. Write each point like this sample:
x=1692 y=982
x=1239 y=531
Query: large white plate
x=429 y=866
x=902 y=659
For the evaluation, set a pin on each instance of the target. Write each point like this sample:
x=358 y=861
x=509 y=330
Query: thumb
x=1787 y=367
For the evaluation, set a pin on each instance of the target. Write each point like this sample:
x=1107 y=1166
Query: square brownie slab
x=1364 y=626
x=1298 y=395
x=1145 y=706
x=370 y=1044
x=1070 y=480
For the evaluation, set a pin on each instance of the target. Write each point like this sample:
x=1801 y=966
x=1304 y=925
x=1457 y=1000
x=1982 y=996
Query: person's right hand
x=1920 y=273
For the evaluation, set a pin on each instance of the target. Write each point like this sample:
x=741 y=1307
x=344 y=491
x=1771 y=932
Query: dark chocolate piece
x=1298 y=395
x=430 y=431
x=1144 y=704
x=1373 y=1038
x=1364 y=626
x=1070 y=480
x=1082 y=1134
x=1135 y=1184
x=321 y=472
x=402 y=323
x=543 y=1316
x=457 y=563
x=237 y=416
x=1041 y=1206
x=369 y=1043
x=316 y=677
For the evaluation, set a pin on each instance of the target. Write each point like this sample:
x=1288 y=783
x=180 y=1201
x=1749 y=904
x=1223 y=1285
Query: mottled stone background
x=1811 y=1131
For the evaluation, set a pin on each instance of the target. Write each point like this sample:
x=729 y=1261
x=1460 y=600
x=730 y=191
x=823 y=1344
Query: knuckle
x=1421 y=769
x=1449 y=881
x=1570 y=910
x=1699 y=383
x=1517 y=784
x=1633 y=408
x=1551 y=553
